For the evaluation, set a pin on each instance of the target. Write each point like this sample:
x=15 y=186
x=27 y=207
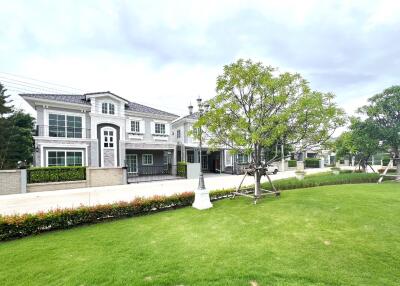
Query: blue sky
x=166 y=53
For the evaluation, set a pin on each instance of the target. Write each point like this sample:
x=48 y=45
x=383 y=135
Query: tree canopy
x=383 y=110
x=16 y=142
x=256 y=107
x=4 y=103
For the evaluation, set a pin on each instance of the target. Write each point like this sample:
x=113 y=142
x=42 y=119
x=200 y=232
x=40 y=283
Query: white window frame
x=65 y=153
x=178 y=134
x=144 y=163
x=243 y=157
x=111 y=110
x=228 y=158
x=135 y=126
x=65 y=114
x=108 y=136
x=108 y=108
x=160 y=124
x=137 y=163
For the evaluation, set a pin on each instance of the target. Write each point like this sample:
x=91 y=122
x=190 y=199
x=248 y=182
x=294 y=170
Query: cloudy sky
x=166 y=53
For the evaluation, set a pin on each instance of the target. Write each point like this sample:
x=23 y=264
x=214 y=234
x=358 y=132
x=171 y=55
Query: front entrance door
x=132 y=163
x=108 y=147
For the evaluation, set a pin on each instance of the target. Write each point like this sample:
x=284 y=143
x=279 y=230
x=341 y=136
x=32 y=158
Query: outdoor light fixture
x=202 y=195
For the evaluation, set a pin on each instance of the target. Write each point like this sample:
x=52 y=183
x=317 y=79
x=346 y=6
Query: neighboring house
x=216 y=160
x=101 y=129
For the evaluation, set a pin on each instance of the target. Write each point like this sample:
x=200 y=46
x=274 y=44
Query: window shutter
x=167 y=130
x=142 y=127
x=128 y=125
x=153 y=128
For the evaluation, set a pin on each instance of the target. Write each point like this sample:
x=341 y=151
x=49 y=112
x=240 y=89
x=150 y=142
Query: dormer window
x=107 y=108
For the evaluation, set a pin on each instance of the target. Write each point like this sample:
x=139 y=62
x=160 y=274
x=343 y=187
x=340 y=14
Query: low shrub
x=315 y=181
x=181 y=169
x=292 y=163
x=56 y=174
x=311 y=163
x=386 y=161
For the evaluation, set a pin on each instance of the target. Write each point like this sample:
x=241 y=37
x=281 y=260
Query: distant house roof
x=193 y=116
x=82 y=99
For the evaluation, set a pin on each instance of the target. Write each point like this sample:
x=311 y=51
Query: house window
x=104 y=108
x=64 y=158
x=61 y=125
x=159 y=128
x=135 y=126
x=108 y=139
x=242 y=158
x=178 y=133
x=228 y=160
x=107 y=108
x=74 y=158
x=147 y=159
x=190 y=158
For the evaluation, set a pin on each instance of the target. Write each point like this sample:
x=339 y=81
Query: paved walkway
x=34 y=202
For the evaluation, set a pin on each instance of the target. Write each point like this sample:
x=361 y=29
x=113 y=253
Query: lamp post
x=202 y=195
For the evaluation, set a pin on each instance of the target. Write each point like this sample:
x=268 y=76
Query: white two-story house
x=101 y=129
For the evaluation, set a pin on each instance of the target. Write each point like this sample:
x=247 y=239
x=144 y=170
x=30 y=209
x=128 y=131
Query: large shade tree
x=383 y=110
x=256 y=108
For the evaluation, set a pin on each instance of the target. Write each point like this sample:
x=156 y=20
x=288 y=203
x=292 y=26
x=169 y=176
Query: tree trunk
x=257 y=183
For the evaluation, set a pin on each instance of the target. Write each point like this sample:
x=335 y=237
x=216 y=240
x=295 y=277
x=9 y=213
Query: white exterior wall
x=92 y=116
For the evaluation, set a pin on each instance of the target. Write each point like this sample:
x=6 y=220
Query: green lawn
x=333 y=235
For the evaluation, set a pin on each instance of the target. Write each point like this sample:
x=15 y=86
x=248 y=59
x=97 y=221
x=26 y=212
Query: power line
x=46 y=82
x=29 y=85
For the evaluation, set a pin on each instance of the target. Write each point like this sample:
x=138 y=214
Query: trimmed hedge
x=386 y=161
x=16 y=226
x=311 y=163
x=56 y=174
x=292 y=163
x=181 y=169
x=316 y=181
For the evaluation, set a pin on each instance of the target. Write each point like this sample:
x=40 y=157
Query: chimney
x=190 y=109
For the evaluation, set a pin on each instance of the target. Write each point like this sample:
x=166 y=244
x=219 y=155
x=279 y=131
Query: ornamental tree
x=383 y=110
x=361 y=141
x=256 y=107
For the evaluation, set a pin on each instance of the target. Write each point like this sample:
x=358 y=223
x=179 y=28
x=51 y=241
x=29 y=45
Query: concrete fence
x=15 y=181
x=12 y=181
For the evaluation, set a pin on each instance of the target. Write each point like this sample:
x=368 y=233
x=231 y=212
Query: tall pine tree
x=4 y=109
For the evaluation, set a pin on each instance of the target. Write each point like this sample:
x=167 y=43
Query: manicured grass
x=332 y=235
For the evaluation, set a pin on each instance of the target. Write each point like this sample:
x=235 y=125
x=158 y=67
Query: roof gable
x=105 y=93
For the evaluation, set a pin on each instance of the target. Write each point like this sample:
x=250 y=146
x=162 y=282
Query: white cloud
x=166 y=53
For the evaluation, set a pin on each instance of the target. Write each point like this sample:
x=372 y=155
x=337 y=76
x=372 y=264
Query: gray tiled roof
x=146 y=109
x=81 y=99
x=70 y=98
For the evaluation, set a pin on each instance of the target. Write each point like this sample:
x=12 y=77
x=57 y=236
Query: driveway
x=43 y=201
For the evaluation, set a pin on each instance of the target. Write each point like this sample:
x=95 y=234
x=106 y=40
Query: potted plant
x=335 y=170
x=299 y=174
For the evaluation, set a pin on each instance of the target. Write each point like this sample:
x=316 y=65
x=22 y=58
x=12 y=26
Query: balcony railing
x=61 y=131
